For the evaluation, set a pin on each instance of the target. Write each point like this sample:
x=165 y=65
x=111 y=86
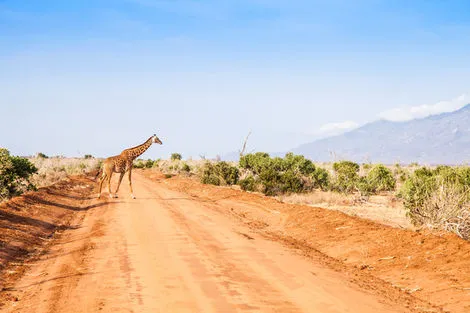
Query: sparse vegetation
x=52 y=170
x=434 y=197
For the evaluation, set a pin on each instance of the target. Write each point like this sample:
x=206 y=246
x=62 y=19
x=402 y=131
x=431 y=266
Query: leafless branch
x=242 y=151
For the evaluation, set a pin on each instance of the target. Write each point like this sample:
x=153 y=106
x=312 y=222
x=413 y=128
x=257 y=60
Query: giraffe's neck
x=134 y=152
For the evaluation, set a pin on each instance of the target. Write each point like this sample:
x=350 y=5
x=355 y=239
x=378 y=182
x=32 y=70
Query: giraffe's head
x=156 y=140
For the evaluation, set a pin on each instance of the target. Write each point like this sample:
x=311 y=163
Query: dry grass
x=448 y=209
x=52 y=170
x=383 y=208
x=174 y=167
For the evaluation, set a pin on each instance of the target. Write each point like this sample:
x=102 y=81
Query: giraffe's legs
x=102 y=178
x=119 y=182
x=109 y=185
x=130 y=183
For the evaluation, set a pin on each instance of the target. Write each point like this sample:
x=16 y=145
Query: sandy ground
x=185 y=247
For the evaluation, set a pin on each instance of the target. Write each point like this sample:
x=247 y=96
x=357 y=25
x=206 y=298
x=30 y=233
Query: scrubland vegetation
x=435 y=197
x=54 y=169
x=18 y=174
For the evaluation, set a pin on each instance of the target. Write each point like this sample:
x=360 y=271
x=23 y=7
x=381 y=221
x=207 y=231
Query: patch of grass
x=52 y=170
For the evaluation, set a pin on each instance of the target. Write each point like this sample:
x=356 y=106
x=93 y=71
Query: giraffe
x=121 y=164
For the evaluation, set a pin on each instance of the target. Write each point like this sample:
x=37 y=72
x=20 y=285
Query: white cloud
x=420 y=111
x=331 y=129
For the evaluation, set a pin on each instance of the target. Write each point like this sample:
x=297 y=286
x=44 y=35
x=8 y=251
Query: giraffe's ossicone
x=122 y=163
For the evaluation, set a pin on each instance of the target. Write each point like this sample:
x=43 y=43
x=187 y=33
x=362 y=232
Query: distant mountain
x=442 y=139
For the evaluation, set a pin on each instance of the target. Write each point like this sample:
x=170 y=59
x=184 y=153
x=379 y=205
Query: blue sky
x=95 y=77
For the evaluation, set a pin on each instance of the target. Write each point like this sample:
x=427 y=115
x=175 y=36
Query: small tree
x=176 y=156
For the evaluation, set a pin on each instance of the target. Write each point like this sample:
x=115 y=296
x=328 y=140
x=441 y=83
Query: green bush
x=293 y=173
x=320 y=178
x=15 y=173
x=365 y=187
x=439 y=198
x=185 y=168
x=381 y=178
x=255 y=162
x=211 y=179
x=298 y=164
x=292 y=182
x=148 y=164
x=139 y=163
x=219 y=173
x=42 y=155
x=176 y=157
x=88 y=156
x=346 y=176
x=248 y=183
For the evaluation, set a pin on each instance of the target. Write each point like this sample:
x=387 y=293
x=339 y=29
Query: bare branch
x=242 y=151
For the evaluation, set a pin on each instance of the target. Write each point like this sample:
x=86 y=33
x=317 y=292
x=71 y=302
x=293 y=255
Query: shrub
x=88 y=156
x=15 y=173
x=439 y=198
x=381 y=178
x=400 y=174
x=292 y=182
x=364 y=186
x=320 y=178
x=254 y=162
x=298 y=164
x=219 y=173
x=293 y=173
x=139 y=163
x=176 y=157
x=347 y=176
x=248 y=183
x=416 y=189
x=211 y=179
x=148 y=164
x=42 y=155
x=185 y=168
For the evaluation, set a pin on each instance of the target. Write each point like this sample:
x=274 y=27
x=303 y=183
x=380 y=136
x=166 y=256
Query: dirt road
x=166 y=252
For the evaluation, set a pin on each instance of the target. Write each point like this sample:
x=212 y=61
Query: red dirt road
x=171 y=250
x=164 y=252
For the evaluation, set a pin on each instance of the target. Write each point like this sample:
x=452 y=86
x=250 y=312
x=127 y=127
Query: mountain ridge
x=441 y=138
